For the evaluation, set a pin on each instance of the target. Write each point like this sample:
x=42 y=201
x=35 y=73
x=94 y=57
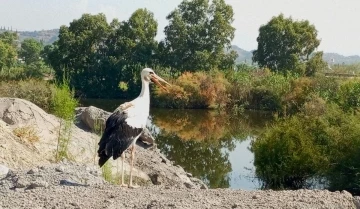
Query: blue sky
x=335 y=20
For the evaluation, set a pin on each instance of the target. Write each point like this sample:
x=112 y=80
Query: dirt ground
x=68 y=185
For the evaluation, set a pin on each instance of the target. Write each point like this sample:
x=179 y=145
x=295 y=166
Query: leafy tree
x=284 y=44
x=9 y=38
x=97 y=55
x=7 y=55
x=80 y=51
x=138 y=37
x=132 y=46
x=30 y=50
x=197 y=35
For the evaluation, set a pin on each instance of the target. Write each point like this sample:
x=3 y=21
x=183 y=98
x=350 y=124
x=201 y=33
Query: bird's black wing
x=117 y=137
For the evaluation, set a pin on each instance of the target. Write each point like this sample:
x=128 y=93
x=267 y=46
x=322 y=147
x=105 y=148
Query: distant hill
x=47 y=36
x=334 y=58
x=244 y=56
x=331 y=58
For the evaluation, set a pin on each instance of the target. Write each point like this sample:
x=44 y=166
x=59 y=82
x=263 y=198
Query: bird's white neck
x=145 y=92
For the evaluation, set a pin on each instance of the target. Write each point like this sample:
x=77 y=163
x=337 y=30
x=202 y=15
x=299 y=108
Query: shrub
x=63 y=105
x=306 y=146
x=262 y=98
x=194 y=90
x=259 y=89
x=298 y=95
x=38 y=92
x=27 y=133
x=349 y=95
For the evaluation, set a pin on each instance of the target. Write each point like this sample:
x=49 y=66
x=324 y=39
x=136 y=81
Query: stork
x=126 y=124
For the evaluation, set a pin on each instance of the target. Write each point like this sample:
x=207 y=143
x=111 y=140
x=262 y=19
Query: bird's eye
x=151 y=73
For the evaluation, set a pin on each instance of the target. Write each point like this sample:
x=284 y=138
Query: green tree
x=315 y=64
x=30 y=50
x=133 y=46
x=284 y=44
x=80 y=53
x=137 y=38
x=197 y=36
x=10 y=38
x=7 y=55
x=97 y=56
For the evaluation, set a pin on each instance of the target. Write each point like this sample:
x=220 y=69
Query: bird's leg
x=132 y=165
x=122 y=170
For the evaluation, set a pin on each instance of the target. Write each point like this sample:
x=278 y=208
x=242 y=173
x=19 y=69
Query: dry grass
x=27 y=134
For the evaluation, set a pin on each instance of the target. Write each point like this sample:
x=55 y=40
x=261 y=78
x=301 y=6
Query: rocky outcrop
x=150 y=165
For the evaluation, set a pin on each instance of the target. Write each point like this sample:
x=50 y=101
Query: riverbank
x=36 y=181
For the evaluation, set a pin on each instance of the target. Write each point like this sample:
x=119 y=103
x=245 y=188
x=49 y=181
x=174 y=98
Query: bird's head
x=148 y=75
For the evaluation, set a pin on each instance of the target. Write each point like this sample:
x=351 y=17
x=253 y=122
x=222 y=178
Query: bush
x=38 y=92
x=194 y=90
x=320 y=142
x=259 y=89
x=63 y=105
x=349 y=95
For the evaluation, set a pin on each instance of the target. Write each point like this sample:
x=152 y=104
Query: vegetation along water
x=308 y=138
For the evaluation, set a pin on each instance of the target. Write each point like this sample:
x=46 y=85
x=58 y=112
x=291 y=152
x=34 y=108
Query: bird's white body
x=138 y=109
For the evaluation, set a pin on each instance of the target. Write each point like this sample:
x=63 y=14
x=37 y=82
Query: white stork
x=127 y=124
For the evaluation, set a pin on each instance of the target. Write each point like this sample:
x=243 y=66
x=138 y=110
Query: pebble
x=256 y=196
x=21 y=183
x=3 y=170
x=38 y=183
x=60 y=169
x=33 y=170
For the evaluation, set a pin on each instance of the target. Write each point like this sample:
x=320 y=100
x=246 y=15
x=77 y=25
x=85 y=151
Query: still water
x=212 y=145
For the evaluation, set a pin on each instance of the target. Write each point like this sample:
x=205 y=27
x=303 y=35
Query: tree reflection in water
x=200 y=140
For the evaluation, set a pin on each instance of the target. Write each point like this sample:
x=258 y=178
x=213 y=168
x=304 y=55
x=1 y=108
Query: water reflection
x=201 y=141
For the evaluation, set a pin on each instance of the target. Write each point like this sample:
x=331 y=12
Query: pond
x=212 y=145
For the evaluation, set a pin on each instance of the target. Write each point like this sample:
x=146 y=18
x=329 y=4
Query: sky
x=337 y=21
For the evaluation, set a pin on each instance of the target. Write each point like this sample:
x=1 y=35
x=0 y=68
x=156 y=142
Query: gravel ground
x=69 y=185
x=107 y=196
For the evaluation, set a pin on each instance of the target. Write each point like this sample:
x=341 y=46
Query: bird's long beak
x=155 y=78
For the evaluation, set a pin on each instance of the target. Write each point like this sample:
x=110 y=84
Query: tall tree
x=131 y=47
x=97 y=55
x=197 y=36
x=80 y=53
x=30 y=50
x=7 y=55
x=138 y=37
x=10 y=38
x=284 y=44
